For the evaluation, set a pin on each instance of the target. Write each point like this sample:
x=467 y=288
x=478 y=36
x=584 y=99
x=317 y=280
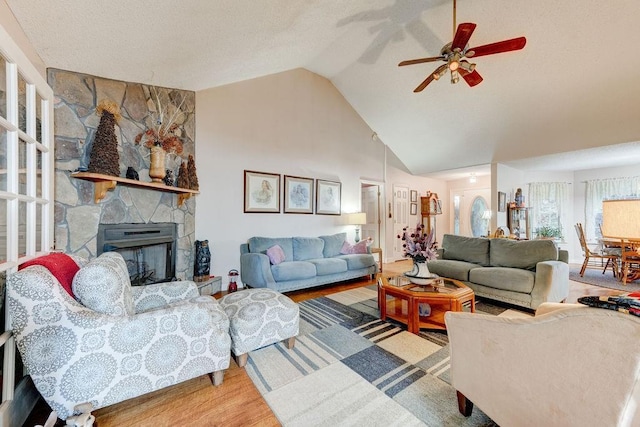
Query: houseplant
x=419 y=247
x=547 y=232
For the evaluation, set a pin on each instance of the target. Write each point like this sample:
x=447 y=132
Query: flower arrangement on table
x=417 y=245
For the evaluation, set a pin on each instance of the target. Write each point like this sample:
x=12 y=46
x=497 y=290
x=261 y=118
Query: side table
x=379 y=252
x=211 y=286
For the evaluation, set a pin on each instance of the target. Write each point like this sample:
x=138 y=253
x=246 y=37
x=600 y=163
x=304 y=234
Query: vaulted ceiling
x=573 y=87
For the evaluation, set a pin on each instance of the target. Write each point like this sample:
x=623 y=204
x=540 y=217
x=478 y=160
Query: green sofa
x=524 y=273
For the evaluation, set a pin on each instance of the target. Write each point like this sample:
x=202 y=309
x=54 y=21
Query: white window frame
x=17 y=64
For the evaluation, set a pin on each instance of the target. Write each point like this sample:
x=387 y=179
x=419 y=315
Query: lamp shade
x=621 y=219
x=357 y=218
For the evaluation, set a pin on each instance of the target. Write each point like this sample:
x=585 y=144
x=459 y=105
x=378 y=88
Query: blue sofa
x=309 y=261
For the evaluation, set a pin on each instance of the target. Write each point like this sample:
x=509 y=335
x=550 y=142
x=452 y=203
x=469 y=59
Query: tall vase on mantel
x=157 y=170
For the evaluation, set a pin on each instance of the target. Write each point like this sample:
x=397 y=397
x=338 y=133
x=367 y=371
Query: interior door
x=400 y=216
x=371 y=206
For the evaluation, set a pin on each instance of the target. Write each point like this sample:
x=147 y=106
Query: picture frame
x=328 y=197
x=298 y=194
x=414 y=196
x=261 y=192
x=413 y=210
x=502 y=201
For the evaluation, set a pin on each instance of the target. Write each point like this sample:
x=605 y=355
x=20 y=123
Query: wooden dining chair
x=595 y=258
x=630 y=262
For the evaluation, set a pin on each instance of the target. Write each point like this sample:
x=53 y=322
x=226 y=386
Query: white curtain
x=549 y=204
x=605 y=189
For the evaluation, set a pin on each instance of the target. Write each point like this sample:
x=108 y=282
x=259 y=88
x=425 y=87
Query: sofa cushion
x=452 y=269
x=326 y=266
x=103 y=285
x=305 y=248
x=522 y=254
x=358 y=261
x=333 y=244
x=469 y=249
x=261 y=244
x=508 y=279
x=293 y=270
x=275 y=254
x=62 y=266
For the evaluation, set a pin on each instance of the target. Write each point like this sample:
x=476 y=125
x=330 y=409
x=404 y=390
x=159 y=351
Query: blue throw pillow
x=333 y=244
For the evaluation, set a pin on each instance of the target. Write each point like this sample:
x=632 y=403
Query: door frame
x=381 y=210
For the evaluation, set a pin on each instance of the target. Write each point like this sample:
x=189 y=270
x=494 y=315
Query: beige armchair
x=570 y=365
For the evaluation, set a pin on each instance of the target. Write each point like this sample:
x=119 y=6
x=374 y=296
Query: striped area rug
x=350 y=368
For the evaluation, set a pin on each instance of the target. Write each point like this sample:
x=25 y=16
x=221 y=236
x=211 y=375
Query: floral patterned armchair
x=114 y=342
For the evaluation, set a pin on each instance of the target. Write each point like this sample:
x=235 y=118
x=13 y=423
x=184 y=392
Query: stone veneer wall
x=76 y=215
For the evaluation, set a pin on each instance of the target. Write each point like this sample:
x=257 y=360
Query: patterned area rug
x=350 y=368
x=595 y=277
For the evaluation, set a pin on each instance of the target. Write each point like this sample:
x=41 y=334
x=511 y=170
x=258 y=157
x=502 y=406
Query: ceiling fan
x=453 y=55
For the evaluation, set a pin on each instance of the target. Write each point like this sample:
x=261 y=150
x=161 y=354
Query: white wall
x=11 y=26
x=293 y=123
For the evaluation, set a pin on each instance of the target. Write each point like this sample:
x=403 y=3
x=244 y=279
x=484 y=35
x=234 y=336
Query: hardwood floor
x=236 y=402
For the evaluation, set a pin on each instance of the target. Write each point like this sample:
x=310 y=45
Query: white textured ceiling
x=574 y=85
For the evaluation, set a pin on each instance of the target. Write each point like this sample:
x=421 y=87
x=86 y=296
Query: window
x=26 y=172
x=549 y=203
x=605 y=189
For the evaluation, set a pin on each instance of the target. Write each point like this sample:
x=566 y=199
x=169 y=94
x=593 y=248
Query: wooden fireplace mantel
x=103 y=183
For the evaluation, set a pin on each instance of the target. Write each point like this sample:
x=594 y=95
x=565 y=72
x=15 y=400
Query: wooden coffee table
x=400 y=300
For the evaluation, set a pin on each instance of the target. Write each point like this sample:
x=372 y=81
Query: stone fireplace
x=77 y=217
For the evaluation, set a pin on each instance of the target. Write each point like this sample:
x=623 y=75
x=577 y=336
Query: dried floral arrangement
x=165 y=123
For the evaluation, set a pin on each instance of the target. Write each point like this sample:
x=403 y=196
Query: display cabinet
x=519 y=223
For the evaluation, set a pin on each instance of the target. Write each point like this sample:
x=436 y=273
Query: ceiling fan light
x=453 y=65
x=438 y=74
x=467 y=66
x=455 y=77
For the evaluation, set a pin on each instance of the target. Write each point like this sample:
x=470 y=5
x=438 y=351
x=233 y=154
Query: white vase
x=420 y=269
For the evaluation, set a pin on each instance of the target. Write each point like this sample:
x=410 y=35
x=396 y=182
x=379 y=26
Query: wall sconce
x=472 y=178
x=357 y=219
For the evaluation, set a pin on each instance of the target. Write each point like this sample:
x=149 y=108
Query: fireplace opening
x=148 y=249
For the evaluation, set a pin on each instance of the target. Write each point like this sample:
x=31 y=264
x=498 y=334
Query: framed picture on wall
x=298 y=195
x=413 y=210
x=414 y=196
x=328 y=195
x=261 y=192
x=502 y=201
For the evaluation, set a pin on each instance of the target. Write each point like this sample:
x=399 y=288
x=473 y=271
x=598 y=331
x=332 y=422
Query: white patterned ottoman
x=259 y=317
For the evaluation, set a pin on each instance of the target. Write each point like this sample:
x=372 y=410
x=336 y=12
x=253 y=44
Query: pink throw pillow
x=275 y=254
x=62 y=266
x=358 y=248
x=346 y=248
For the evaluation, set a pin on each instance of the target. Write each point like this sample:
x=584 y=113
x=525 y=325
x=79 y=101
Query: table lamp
x=357 y=219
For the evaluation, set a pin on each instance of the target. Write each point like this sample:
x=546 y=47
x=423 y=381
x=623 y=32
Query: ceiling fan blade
x=498 y=47
x=429 y=79
x=472 y=78
x=463 y=34
x=421 y=61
